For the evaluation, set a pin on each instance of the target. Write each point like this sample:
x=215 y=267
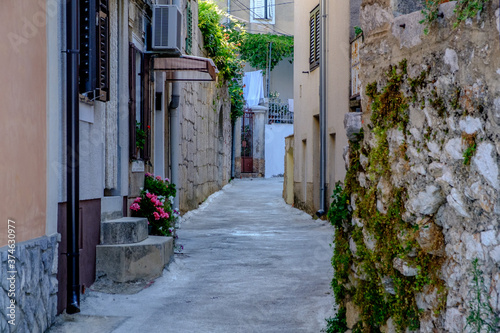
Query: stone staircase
x=128 y=254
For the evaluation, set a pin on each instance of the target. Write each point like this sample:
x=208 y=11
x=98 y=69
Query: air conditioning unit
x=166 y=30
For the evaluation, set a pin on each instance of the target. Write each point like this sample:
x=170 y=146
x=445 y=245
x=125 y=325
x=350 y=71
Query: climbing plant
x=254 y=49
x=373 y=236
x=221 y=43
x=464 y=10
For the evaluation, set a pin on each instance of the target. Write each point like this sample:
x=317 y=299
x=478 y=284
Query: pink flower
x=158 y=177
x=156 y=202
x=148 y=174
x=167 y=180
x=135 y=206
x=149 y=195
x=164 y=215
x=137 y=200
x=156 y=215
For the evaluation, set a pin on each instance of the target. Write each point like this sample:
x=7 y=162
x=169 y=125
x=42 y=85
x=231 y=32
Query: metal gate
x=247 y=142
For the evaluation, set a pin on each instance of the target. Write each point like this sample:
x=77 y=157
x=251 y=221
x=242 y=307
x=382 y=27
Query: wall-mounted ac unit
x=166 y=30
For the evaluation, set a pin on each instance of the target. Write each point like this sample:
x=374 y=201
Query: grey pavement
x=250 y=263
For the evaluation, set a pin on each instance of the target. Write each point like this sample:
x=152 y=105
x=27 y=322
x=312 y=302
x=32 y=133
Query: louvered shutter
x=87 y=66
x=259 y=9
x=146 y=105
x=314 y=38
x=103 y=51
x=189 y=30
x=131 y=103
x=270 y=9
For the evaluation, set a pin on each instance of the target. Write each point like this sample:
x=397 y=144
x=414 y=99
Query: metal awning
x=186 y=68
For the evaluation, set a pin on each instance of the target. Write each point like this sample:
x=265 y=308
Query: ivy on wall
x=372 y=241
x=221 y=44
x=464 y=10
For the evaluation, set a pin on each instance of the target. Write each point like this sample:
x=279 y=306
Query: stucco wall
x=275 y=148
x=283 y=22
x=306 y=101
x=23 y=46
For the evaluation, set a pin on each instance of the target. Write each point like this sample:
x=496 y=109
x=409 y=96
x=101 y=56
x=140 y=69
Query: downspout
x=72 y=158
x=322 y=110
x=175 y=135
x=269 y=71
x=175 y=138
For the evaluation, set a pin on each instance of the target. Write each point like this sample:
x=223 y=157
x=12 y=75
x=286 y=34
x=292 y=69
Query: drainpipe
x=322 y=110
x=175 y=138
x=72 y=158
x=175 y=127
x=269 y=71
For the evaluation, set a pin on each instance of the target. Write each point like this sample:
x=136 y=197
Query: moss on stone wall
x=379 y=264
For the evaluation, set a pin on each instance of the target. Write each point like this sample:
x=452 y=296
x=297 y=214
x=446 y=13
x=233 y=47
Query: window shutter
x=131 y=103
x=87 y=72
x=189 y=30
x=314 y=38
x=103 y=51
x=270 y=9
x=146 y=105
x=259 y=9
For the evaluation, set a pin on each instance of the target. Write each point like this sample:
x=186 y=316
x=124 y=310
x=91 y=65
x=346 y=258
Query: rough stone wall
x=455 y=115
x=35 y=285
x=205 y=163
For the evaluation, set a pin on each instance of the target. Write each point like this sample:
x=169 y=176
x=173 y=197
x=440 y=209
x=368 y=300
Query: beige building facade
x=306 y=152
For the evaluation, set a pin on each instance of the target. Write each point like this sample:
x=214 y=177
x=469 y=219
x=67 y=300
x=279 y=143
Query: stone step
x=131 y=262
x=125 y=230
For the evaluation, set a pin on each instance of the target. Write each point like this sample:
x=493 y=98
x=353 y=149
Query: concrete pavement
x=250 y=263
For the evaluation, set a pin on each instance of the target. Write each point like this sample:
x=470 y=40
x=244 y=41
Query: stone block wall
x=206 y=141
x=443 y=156
x=35 y=286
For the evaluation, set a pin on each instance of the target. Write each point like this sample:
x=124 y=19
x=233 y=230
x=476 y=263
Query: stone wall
x=35 y=285
x=440 y=143
x=206 y=141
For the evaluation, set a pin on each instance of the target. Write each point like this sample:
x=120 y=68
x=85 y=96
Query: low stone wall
x=35 y=286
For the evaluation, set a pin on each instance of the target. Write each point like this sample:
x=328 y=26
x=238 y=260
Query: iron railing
x=279 y=113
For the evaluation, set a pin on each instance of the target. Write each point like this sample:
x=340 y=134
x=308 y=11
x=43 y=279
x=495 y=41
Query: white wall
x=275 y=148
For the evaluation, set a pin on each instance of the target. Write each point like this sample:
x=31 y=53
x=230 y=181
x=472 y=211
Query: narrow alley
x=250 y=263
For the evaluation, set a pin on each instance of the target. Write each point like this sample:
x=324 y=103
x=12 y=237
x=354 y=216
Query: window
x=262 y=11
x=94 y=49
x=314 y=38
x=139 y=103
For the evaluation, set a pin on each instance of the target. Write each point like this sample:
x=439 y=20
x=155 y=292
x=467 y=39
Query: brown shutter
x=314 y=38
x=146 y=105
x=103 y=51
x=131 y=101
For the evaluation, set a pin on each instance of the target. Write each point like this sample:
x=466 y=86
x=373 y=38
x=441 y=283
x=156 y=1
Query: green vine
x=481 y=316
x=374 y=266
x=464 y=10
x=254 y=49
x=222 y=43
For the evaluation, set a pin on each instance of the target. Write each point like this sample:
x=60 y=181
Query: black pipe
x=72 y=160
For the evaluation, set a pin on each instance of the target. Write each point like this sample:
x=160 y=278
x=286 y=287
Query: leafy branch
x=221 y=44
x=254 y=49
